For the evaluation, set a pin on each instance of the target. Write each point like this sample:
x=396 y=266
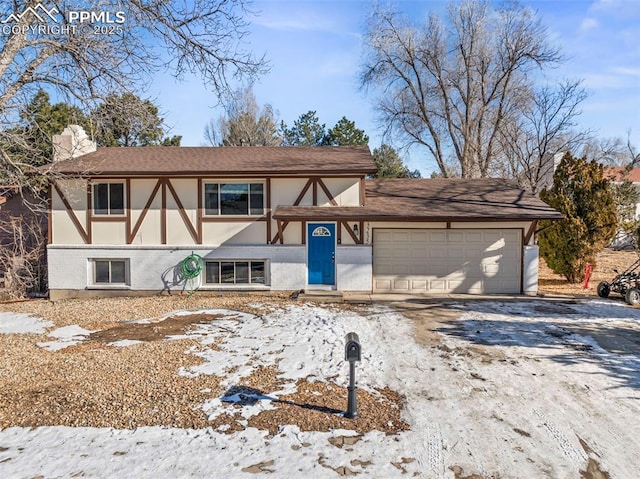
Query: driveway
x=459 y=389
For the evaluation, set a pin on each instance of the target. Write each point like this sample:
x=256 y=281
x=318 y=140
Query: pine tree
x=582 y=194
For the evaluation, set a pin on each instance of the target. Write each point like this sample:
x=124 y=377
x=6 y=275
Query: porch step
x=320 y=296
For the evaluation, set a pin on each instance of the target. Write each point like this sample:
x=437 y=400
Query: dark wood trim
x=119 y=175
x=127 y=225
x=268 y=208
x=233 y=219
x=361 y=232
x=163 y=212
x=315 y=192
x=200 y=212
x=72 y=215
x=351 y=233
x=303 y=192
x=532 y=229
x=339 y=225
x=89 y=212
x=145 y=210
x=108 y=219
x=326 y=191
x=183 y=213
x=280 y=234
x=363 y=192
x=448 y=225
x=303 y=225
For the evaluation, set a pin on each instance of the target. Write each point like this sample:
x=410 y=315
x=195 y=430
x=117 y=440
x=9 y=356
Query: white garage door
x=446 y=261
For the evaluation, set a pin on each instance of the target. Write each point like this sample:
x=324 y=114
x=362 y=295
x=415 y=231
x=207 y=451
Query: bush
x=583 y=195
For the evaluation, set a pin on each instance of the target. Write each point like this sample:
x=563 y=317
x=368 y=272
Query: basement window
x=111 y=272
x=108 y=198
x=235 y=272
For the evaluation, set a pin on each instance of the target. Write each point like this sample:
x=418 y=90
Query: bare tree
x=245 y=124
x=44 y=45
x=612 y=151
x=22 y=255
x=451 y=85
x=542 y=131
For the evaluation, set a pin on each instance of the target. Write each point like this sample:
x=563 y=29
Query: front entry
x=321 y=253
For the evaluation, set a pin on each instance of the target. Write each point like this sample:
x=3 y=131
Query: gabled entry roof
x=432 y=200
x=218 y=161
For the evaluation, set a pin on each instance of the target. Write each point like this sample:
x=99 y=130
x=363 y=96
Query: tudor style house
x=123 y=220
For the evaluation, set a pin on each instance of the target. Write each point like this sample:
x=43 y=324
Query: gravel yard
x=238 y=385
x=95 y=384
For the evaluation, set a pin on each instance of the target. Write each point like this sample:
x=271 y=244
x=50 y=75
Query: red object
x=587 y=276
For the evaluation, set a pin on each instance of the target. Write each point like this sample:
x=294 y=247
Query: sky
x=509 y=389
x=315 y=52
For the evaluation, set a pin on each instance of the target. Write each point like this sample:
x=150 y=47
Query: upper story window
x=108 y=198
x=234 y=199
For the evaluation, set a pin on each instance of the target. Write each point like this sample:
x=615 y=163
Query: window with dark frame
x=233 y=199
x=235 y=272
x=110 y=271
x=108 y=198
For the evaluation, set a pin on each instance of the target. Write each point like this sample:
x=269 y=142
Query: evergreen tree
x=582 y=194
x=390 y=165
x=306 y=131
x=39 y=121
x=345 y=133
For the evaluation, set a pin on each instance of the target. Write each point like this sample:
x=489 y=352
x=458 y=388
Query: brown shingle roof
x=617 y=173
x=433 y=200
x=183 y=161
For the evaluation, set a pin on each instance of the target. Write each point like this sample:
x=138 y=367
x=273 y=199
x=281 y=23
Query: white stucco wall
x=530 y=270
x=354 y=270
x=153 y=268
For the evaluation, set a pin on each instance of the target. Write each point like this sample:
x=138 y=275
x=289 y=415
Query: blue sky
x=314 y=47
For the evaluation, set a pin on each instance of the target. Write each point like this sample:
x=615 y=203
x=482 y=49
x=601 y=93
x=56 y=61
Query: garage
x=447 y=260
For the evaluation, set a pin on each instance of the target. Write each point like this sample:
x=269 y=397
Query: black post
x=352 y=403
x=352 y=353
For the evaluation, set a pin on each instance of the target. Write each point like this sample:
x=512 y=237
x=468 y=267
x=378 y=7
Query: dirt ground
x=550 y=283
x=93 y=384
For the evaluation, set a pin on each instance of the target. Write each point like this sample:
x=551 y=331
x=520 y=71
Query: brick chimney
x=71 y=143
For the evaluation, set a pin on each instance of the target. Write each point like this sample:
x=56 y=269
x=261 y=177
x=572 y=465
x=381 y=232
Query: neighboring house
x=616 y=174
x=22 y=224
x=123 y=220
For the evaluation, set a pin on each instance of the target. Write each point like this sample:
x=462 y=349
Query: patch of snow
x=124 y=343
x=509 y=389
x=66 y=336
x=22 y=323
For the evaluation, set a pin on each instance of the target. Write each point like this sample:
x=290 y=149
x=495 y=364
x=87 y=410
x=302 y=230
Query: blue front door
x=321 y=241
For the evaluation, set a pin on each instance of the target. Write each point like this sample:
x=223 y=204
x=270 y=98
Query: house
x=124 y=220
x=22 y=230
x=616 y=174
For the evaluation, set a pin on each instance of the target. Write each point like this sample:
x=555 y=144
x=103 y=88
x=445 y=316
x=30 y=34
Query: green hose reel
x=190 y=269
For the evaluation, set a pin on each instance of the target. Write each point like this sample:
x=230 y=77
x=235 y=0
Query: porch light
x=355 y=229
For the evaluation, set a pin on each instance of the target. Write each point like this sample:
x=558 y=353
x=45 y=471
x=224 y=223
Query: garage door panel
x=447 y=261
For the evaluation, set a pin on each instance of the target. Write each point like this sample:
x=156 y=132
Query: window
x=234 y=199
x=234 y=272
x=108 y=198
x=110 y=271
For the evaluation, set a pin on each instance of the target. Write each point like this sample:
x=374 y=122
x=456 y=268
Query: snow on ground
x=509 y=389
x=20 y=323
x=65 y=337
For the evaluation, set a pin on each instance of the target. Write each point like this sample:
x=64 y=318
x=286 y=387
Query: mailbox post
x=352 y=354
